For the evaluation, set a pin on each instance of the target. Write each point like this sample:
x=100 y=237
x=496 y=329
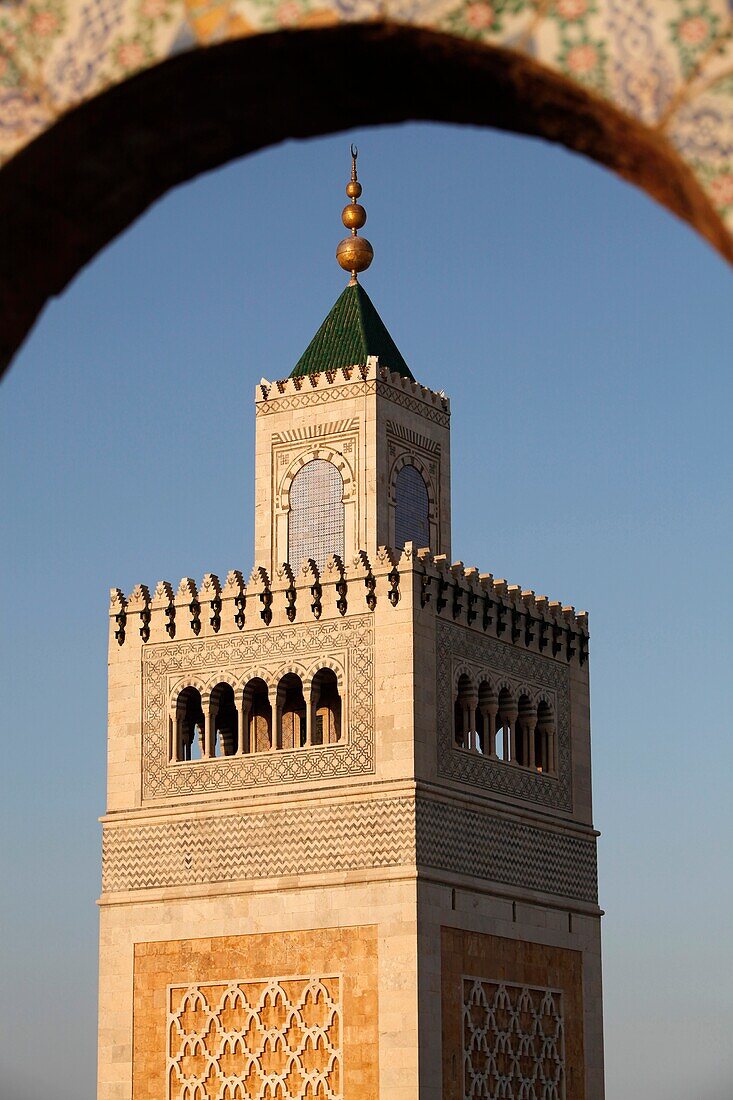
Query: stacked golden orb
x=354 y=253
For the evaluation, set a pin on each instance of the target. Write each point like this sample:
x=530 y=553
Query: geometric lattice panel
x=256 y=1040
x=513 y=1042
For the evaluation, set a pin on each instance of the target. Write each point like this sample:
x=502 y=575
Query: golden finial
x=354 y=253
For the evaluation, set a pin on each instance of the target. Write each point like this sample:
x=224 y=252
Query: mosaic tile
x=666 y=63
x=499 y=22
x=644 y=72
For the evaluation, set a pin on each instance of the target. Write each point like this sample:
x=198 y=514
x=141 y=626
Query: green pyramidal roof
x=352 y=331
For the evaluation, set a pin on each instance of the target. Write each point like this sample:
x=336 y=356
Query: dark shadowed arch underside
x=77 y=186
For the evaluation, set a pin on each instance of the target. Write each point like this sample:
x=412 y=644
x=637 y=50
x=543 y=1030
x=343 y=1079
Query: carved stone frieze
x=337 y=393
x=459 y=647
x=455 y=838
x=399 y=434
x=389 y=832
x=267 y=844
x=316 y=431
x=348 y=642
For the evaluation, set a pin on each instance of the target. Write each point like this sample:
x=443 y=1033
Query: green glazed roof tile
x=352 y=331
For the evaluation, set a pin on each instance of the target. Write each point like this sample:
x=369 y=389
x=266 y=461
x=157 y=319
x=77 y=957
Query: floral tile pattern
x=666 y=63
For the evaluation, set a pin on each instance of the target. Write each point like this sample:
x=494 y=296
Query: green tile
x=352 y=331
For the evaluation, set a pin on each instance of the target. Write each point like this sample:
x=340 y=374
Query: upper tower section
x=351 y=451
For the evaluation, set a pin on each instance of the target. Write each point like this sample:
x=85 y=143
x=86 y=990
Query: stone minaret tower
x=348 y=852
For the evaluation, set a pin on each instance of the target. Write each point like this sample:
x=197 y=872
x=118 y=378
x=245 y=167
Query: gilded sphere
x=353 y=216
x=354 y=254
x=353 y=189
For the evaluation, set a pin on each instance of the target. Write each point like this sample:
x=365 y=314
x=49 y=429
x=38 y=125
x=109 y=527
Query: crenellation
x=338 y=758
x=370 y=372
x=188 y=609
x=211 y=604
x=507 y=611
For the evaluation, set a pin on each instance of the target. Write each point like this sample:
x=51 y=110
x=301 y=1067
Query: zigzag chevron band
x=392 y=832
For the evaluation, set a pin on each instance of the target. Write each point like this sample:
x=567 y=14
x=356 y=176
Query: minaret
x=348 y=849
x=351 y=403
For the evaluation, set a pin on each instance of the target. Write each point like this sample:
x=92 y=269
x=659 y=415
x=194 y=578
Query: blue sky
x=583 y=335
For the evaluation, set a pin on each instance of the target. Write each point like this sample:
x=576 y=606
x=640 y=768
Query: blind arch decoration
x=316 y=518
x=412 y=509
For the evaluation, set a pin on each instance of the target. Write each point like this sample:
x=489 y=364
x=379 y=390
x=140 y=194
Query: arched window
x=505 y=720
x=258 y=717
x=544 y=739
x=412 y=508
x=225 y=720
x=325 y=708
x=463 y=712
x=486 y=718
x=316 y=519
x=291 y=712
x=190 y=726
x=524 y=734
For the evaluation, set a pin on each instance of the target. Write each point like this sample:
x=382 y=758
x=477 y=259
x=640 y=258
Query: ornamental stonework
x=284 y=1015
x=349 y=836
x=513 y=1041
x=460 y=648
x=337 y=393
x=210 y=848
x=482 y=845
x=348 y=643
x=279 y=1037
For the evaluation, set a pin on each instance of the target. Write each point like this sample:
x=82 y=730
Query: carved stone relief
x=389 y=832
x=454 y=838
x=458 y=647
x=348 y=643
x=277 y=1037
x=337 y=393
x=513 y=1041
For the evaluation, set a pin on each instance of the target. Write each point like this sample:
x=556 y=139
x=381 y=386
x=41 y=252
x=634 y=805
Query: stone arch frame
x=463 y=737
x=198 y=682
x=339 y=670
x=461 y=668
x=486 y=712
x=217 y=678
x=258 y=672
x=410 y=459
x=281 y=503
x=543 y=699
x=141 y=133
x=296 y=669
x=331 y=663
x=270 y=682
x=177 y=691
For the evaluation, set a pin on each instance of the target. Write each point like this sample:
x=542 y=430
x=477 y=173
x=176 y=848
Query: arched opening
x=109 y=156
x=257 y=717
x=316 y=518
x=524 y=734
x=291 y=712
x=225 y=721
x=412 y=509
x=486 y=719
x=325 y=708
x=505 y=718
x=464 y=709
x=190 y=726
x=544 y=740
